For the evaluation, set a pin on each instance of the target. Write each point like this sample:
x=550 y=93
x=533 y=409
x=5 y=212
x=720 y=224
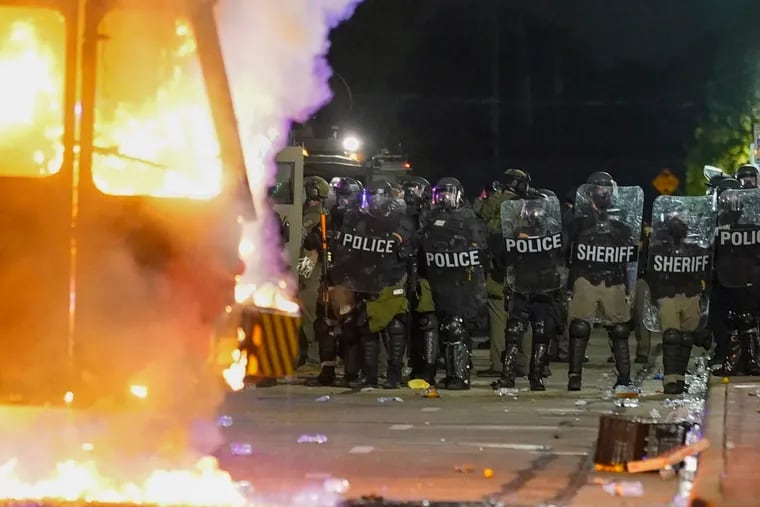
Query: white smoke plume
x=275 y=53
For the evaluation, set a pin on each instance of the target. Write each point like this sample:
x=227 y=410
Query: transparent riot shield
x=679 y=261
x=453 y=250
x=364 y=252
x=532 y=231
x=605 y=239
x=737 y=241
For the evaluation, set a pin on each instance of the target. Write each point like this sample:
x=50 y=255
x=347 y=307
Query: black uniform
x=455 y=255
x=534 y=255
x=370 y=255
x=737 y=290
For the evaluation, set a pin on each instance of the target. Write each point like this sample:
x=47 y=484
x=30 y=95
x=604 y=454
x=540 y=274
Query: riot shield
x=605 y=237
x=532 y=231
x=453 y=249
x=364 y=252
x=737 y=241
x=679 y=260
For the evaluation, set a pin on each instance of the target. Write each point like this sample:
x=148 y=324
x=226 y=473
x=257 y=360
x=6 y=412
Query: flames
x=72 y=481
x=31 y=97
x=165 y=146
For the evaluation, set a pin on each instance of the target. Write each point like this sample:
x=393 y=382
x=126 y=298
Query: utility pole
x=494 y=14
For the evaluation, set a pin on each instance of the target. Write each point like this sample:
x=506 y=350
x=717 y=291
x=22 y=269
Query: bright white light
x=351 y=143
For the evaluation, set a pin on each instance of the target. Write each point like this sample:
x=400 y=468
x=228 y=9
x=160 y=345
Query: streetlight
x=348 y=90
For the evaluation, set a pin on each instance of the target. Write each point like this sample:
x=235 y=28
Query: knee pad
x=620 y=331
x=580 y=329
x=427 y=321
x=516 y=327
x=396 y=327
x=455 y=330
x=671 y=337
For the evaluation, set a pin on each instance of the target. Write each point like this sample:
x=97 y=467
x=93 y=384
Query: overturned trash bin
x=623 y=440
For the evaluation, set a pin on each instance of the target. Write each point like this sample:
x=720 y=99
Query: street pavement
x=538 y=446
x=728 y=469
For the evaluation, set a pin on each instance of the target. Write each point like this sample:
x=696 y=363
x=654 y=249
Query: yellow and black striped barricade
x=271 y=341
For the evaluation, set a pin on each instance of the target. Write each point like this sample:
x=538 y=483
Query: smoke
x=275 y=53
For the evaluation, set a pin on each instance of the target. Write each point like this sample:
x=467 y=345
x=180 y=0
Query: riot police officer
x=747 y=176
x=604 y=250
x=370 y=253
x=455 y=253
x=316 y=191
x=536 y=272
x=737 y=271
x=678 y=274
x=516 y=186
x=335 y=324
x=423 y=323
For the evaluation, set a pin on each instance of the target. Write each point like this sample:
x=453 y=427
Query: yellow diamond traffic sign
x=666 y=182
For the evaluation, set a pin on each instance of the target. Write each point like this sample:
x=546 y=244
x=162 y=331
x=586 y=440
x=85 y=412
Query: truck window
x=283 y=191
x=32 y=66
x=154 y=133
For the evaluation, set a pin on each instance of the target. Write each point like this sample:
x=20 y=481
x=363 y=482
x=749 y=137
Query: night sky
x=561 y=88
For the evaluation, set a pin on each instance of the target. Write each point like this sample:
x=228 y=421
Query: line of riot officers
x=412 y=267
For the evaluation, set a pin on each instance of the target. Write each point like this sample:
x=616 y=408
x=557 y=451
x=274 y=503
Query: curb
x=707 y=488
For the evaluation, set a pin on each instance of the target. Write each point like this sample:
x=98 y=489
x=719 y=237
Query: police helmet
x=378 y=198
x=747 y=175
x=316 y=188
x=517 y=181
x=448 y=193
x=603 y=186
x=674 y=226
x=416 y=191
x=347 y=191
x=398 y=191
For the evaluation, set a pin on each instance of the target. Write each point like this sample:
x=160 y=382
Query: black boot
x=619 y=334
x=428 y=324
x=753 y=352
x=457 y=356
x=672 y=361
x=394 y=338
x=371 y=348
x=327 y=340
x=537 y=362
x=508 y=369
x=580 y=331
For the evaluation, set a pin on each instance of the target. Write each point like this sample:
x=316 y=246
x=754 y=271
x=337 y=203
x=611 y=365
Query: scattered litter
x=323 y=399
x=224 y=421
x=361 y=449
x=463 y=469
x=241 y=449
x=389 y=399
x=654 y=414
x=670 y=458
x=667 y=473
x=581 y=403
x=431 y=392
x=418 y=383
x=336 y=486
x=487 y=473
x=507 y=391
x=627 y=402
x=627 y=392
x=624 y=488
x=312 y=439
x=367 y=389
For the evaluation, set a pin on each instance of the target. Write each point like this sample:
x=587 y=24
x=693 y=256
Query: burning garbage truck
x=136 y=139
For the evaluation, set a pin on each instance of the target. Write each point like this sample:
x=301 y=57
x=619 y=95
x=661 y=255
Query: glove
x=305 y=267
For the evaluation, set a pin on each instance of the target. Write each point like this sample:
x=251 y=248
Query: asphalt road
x=539 y=446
